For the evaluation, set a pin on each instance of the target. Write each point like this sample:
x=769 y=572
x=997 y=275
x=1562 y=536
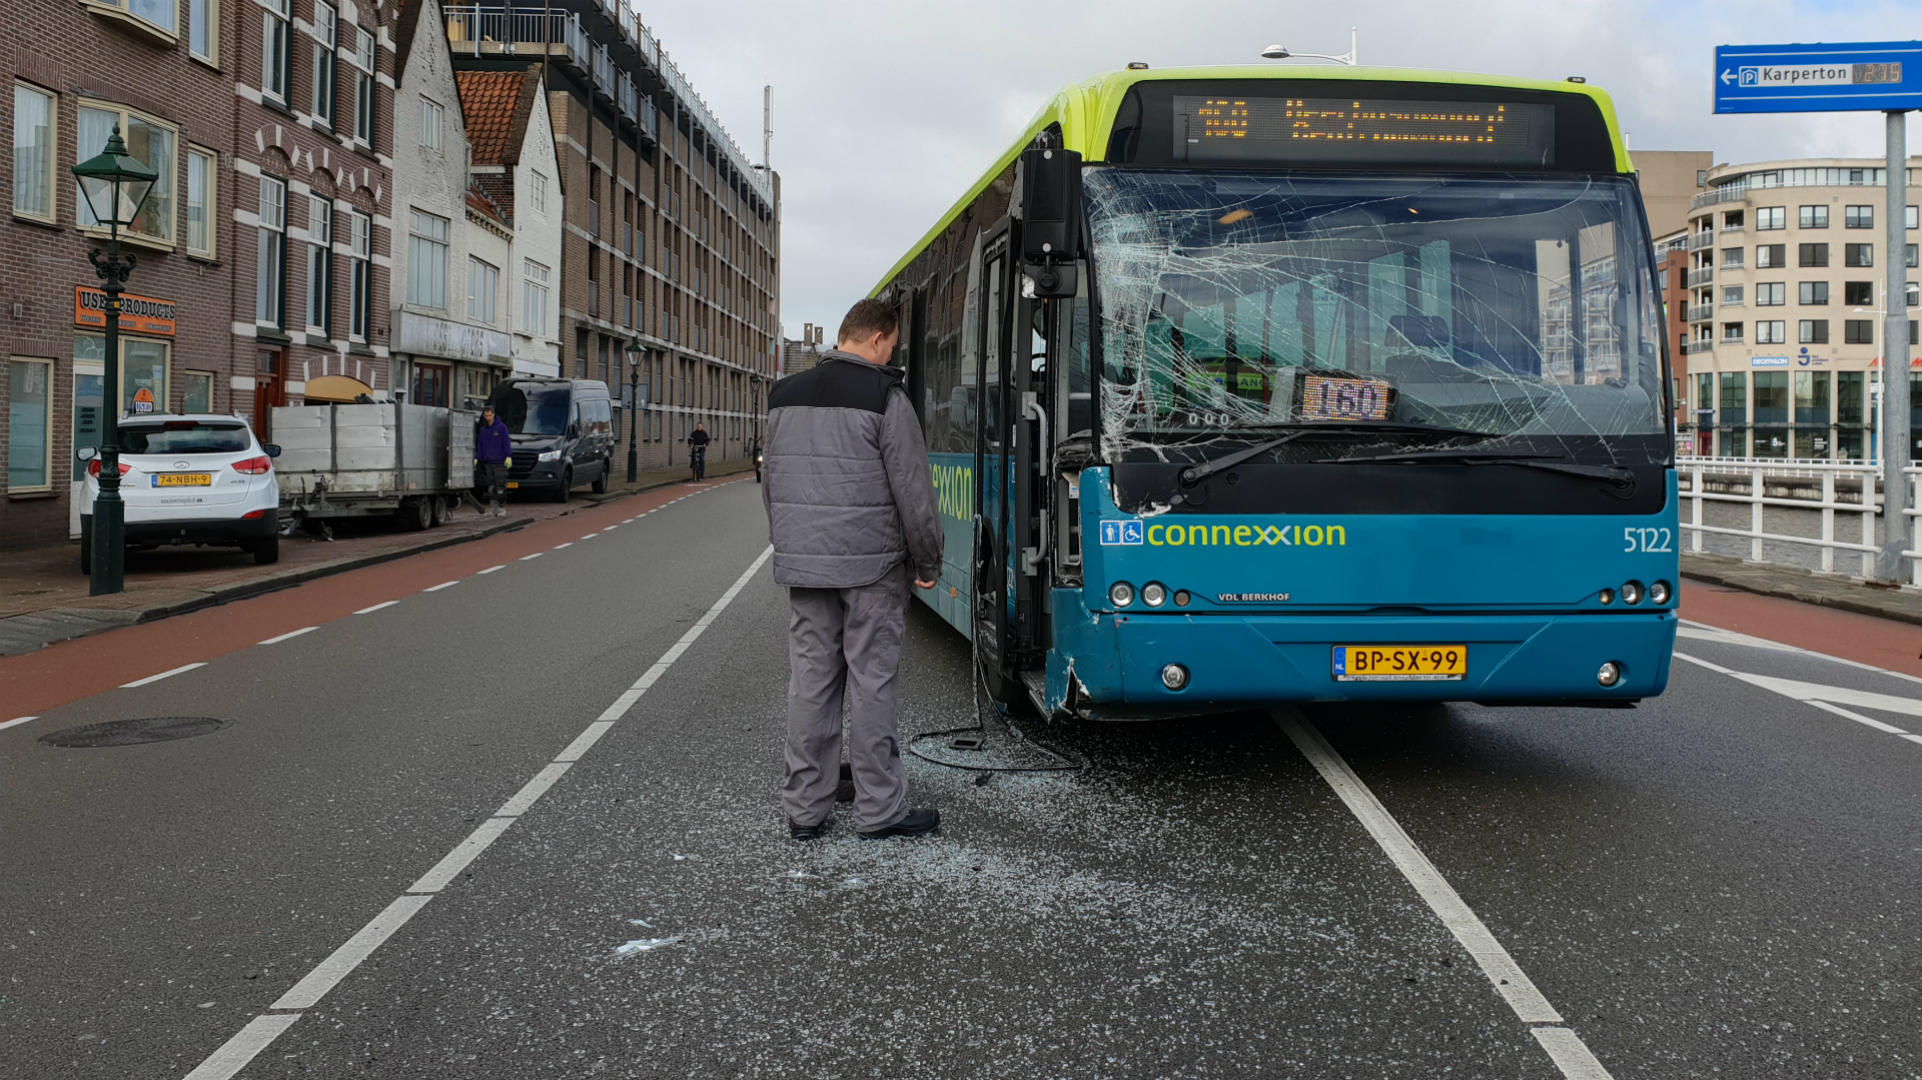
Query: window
x=431 y=385
x=1663 y=274
x=1908 y=217
x=1813 y=254
x=320 y=263
x=430 y=118
x=1771 y=217
x=1770 y=255
x=1814 y=292
x=200 y=202
x=326 y=33
x=1814 y=217
x=143 y=366
x=1858 y=217
x=1732 y=296
x=361 y=283
x=427 y=260
x=1812 y=331
x=158 y=13
x=1770 y=332
x=33 y=152
x=483 y=281
x=537 y=193
x=1859 y=293
x=1732 y=331
x=1909 y=296
x=1858 y=254
x=1908 y=254
x=534 y=298
x=29 y=425
x=1858 y=331
x=1770 y=294
x=270 y=275
x=197 y=392
x=276 y=50
x=1732 y=258
x=364 y=86
x=1701 y=178
x=147 y=139
x=203 y=29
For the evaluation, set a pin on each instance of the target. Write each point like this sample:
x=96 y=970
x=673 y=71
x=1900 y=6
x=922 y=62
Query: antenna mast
x=767 y=125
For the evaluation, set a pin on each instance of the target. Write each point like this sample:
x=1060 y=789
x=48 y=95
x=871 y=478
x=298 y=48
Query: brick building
x=672 y=238
x=261 y=253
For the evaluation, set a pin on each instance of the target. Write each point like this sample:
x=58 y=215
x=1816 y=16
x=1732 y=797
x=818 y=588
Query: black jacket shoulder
x=837 y=384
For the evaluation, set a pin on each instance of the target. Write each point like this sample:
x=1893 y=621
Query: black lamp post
x=634 y=408
x=115 y=185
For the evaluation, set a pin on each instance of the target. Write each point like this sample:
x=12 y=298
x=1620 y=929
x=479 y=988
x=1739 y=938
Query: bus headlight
x=1181 y=598
x=1610 y=674
x=1121 y=594
x=1606 y=596
x=1632 y=593
x=1658 y=593
x=1174 y=676
x=1154 y=594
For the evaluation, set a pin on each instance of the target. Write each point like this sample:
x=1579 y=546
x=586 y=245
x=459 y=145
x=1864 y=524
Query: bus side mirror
x=1049 y=180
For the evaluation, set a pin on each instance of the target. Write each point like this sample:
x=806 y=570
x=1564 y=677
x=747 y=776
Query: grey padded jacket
x=845 y=478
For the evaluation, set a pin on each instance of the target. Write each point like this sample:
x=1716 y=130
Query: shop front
x=448 y=364
x=147 y=379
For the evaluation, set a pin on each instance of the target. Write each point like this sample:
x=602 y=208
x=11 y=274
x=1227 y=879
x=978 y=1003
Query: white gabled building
x=514 y=204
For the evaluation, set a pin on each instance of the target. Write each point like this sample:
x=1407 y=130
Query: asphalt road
x=1720 y=883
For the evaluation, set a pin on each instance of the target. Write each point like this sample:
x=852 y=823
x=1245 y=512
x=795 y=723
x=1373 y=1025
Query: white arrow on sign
x=1727 y=77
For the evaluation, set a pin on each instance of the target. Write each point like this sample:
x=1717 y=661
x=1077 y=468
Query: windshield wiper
x=1614 y=474
x=1194 y=474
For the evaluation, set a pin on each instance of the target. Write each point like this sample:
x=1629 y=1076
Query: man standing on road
x=697 y=451
x=851 y=513
x=493 y=449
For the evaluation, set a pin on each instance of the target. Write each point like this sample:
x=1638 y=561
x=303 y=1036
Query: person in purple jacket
x=493 y=452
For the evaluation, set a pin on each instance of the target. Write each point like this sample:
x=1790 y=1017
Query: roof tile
x=491 y=101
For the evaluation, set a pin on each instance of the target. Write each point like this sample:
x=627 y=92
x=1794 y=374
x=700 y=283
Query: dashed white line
x=288 y=636
x=490 y=569
x=377 y=607
x=163 y=675
x=18 y=720
x=536 y=555
x=255 y=1037
x=1564 y=1047
x=1889 y=729
x=442 y=585
x=590 y=536
x=569 y=544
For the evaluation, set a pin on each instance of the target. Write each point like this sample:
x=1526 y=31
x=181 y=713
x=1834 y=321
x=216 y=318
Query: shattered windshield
x=1507 y=311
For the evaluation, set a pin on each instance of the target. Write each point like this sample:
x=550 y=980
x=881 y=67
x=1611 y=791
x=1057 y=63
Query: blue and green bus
x=1250 y=385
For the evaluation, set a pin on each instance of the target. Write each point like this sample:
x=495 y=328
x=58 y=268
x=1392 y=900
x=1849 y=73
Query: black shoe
x=798 y=831
x=845 y=793
x=919 y=821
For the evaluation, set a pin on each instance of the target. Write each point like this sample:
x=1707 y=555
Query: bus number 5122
x=1647 y=539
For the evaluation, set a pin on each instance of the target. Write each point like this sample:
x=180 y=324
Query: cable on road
x=1061 y=762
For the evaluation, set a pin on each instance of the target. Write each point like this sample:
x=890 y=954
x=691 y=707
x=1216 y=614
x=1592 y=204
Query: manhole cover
x=134 y=732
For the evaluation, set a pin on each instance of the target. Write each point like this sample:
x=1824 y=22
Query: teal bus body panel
x=953 y=476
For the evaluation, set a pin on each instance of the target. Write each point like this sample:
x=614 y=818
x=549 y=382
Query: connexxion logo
x=1130 y=533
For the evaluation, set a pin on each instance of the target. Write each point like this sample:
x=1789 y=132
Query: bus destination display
x=1373 y=131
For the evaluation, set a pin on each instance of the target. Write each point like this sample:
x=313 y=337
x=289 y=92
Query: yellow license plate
x=184 y=479
x=512 y=484
x=1400 y=663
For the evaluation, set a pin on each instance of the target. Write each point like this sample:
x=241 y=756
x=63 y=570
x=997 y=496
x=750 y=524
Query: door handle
x=1032 y=409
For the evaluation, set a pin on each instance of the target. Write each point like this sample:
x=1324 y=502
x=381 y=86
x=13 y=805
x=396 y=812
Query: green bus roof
x=1086 y=112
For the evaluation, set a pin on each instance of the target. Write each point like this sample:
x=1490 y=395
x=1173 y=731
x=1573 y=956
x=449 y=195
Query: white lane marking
x=442 y=585
x=376 y=607
x=239 y=1050
x=308 y=991
x=611 y=528
x=591 y=536
x=323 y=978
x=289 y=635
x=451 y=864
x=17 y=721
x=1887 y=729
x=523 y=799
x=162 y=675
x=1730 y=637
x=1912 y=738
x=1717 y=668
x=1564 y=1047
x=569 y=544
x=490 y=569
x=536 y=555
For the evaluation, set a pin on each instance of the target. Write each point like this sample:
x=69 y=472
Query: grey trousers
x=846 y=642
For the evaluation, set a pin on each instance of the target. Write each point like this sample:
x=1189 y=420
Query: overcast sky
x=884 y=113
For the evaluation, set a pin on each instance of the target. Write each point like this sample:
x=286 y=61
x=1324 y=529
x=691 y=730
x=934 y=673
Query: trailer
x=414 y=461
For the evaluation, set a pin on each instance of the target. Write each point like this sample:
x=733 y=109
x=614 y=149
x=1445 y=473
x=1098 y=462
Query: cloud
x=885 y=113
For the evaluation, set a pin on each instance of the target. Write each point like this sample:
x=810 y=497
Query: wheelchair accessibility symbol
x=1120 y=533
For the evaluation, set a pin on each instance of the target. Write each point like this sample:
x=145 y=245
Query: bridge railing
x=1825 y=486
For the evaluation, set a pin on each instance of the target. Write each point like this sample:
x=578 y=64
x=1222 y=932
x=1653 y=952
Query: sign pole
x=1896 y=526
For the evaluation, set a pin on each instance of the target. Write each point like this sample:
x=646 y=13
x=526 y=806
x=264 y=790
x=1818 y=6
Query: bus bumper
x=1275 y=658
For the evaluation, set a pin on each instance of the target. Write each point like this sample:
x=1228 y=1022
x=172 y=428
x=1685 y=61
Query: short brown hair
x=866 y=319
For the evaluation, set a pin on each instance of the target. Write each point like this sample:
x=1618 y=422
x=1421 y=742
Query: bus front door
x=993 y=571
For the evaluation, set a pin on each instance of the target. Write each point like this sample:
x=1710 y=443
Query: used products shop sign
x=138 y=314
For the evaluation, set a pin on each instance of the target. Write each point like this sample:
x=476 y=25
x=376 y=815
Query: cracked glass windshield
x=1517 y=314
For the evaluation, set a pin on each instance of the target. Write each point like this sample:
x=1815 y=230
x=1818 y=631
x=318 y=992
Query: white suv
x=194 y=479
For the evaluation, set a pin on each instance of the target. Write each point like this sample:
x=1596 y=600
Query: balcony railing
x=1731 y=193
x=1700 y=277
x=1700 y=240
x=1694 y=347
x=1700 y=313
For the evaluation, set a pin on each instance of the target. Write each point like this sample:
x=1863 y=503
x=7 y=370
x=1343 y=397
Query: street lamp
x=633 y=409
x=1280 y=52
x=115 y=185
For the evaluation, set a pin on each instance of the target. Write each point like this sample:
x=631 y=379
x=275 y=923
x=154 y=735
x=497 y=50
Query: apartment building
x=260 y=250
x=1786 y=279
x=670 y=260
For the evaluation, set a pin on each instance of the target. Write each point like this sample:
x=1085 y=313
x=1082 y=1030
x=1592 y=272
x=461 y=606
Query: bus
x=1260 y=385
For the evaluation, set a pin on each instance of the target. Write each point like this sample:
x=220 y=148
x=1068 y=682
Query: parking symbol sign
x=1120 y=532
